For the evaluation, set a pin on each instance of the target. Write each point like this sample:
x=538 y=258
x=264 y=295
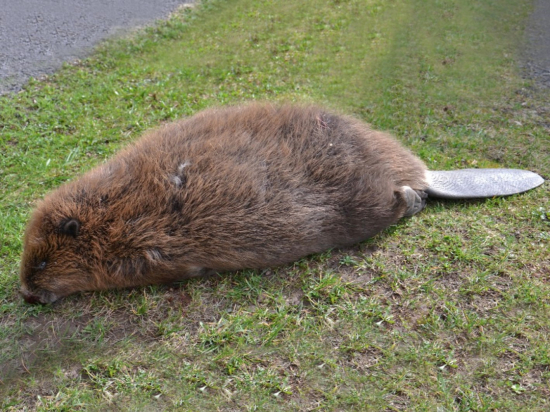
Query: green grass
x=446 y=311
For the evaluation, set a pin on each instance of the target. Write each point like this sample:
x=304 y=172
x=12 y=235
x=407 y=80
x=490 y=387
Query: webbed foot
x=416 y=200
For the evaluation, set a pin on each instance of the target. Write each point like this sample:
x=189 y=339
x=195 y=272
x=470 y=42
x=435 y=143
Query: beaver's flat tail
x=480 y=183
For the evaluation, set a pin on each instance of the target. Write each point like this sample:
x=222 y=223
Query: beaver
x=251 y=186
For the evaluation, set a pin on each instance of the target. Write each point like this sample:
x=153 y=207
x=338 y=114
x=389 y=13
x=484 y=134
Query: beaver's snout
x=41 y=298
x=32 y=299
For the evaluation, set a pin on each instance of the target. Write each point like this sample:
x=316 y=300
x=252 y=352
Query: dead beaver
x=251 y=186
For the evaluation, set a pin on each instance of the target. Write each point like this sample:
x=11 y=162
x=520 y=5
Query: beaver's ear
x=70 y=227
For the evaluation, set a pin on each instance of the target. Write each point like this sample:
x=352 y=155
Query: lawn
x=447 y=310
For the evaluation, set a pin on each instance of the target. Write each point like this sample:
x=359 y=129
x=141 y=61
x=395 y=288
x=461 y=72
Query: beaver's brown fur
x=243 y=187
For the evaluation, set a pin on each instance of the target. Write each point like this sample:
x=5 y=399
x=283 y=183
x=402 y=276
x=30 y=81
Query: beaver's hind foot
x=416 y=200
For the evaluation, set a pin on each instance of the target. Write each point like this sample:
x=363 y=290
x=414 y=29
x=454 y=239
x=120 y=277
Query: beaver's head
x=53 y=263
x=78 y=239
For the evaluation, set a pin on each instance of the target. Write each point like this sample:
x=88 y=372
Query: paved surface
x=37 y=36
x=537 y=52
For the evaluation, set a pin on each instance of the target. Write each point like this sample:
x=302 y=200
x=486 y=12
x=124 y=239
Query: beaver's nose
x=30 y=298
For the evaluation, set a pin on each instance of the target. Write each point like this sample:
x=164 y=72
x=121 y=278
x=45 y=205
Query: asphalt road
x=37 y=36
x=536 y=55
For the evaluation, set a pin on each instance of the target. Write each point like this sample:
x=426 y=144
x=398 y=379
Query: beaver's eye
x=41 y=265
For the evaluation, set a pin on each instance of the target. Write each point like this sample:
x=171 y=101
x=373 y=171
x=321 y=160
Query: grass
x=446 y=311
